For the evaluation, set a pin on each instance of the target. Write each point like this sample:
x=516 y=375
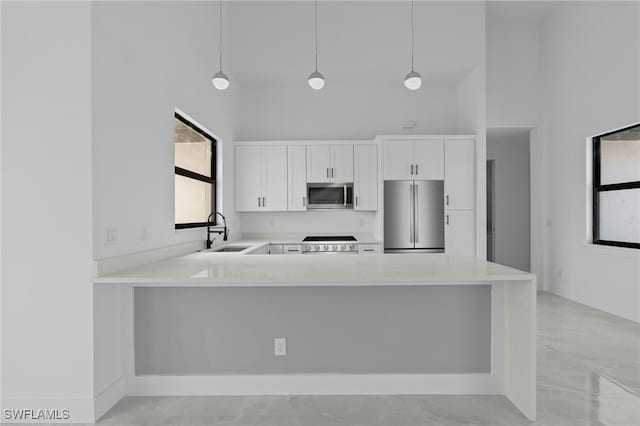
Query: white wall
x=472 y=120
x=513 y=74
x=591 y=84
x=513 y=102
x=141 y=72
x=510 y=150
x=344 y=112
x=46 y=207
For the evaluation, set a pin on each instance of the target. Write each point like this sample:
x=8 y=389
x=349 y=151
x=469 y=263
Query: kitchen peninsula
x=205 y=324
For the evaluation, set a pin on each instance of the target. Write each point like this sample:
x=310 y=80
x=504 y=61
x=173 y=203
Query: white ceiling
x=362 y=43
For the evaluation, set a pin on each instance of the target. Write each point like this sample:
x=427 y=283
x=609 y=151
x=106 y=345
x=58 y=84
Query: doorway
x=491 y=210
x=509 y=198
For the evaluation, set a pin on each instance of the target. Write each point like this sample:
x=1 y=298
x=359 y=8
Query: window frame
x=598 y=187
x=197 y=176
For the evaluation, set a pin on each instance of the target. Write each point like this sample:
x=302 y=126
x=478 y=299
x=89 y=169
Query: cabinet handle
x=332 y=173
x=258 y=201
x=356 y=201
x=416 y=169
x=412 y=170
x=264 y=201
x=447 y=219
x=327 y=173
x=447 y=200
x=304 y=201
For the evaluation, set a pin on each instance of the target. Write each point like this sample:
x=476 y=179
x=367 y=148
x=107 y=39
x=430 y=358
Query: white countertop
x=239 y=269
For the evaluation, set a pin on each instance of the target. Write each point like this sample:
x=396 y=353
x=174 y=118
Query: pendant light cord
x=412 y=36
x=316 y=39
x=220 y=37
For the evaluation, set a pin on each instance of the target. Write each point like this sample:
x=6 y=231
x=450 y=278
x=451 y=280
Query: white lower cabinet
x=459 y=232
x=369 y=248
x=292 y=249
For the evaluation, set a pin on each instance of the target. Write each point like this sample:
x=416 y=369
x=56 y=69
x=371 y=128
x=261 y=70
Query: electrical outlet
x=110 y=235
x=280 y=346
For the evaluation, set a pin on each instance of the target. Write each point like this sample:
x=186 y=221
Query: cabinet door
x=341 y=163
x=297 y=178
x=248 y=178
x=274 y=166
x=318 y=163
x=369 y=249
x=397 y=160
x=459 y=232
x=459 y=175
x=365 y=177
x=429 y=160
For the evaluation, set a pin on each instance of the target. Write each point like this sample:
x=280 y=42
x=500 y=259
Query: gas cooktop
x=313 y=238
x=329 y=244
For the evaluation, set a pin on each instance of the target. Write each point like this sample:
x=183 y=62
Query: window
x=195 y=169
x=616 y=188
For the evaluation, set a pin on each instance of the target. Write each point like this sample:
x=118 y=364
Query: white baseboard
x=316 y=384
x=108 y=397
x=80 y=410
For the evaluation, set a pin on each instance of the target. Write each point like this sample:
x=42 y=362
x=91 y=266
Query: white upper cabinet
x=459 y=175
x=365 y=177
x=248 y=182
x=318 y=163
x=330 y=163
x=413 y=160
x=274 y=171
x=261 y=178
x=297 y=179
x=429 y=160
x=398 y=160
x=460 y=232
x=342 y=163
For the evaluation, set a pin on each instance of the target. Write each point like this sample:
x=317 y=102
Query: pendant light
x=220 y=79
x=412 y=81
x=316 y=80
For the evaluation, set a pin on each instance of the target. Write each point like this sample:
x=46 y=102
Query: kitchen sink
x=230 y=249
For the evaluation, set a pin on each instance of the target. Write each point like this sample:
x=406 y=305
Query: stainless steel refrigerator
x=414 y=216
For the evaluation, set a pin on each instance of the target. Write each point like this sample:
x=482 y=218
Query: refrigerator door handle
x=416 y=213
x=411 y=222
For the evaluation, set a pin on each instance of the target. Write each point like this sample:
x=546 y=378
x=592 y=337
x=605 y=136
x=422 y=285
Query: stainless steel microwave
x=330 y=195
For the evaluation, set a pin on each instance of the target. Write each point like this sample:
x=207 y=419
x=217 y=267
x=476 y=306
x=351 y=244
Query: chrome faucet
x=224 y=231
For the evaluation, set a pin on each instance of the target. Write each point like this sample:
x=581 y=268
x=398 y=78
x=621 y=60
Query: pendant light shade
x=412 y=81
x=316 y=80
x=220 y=80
